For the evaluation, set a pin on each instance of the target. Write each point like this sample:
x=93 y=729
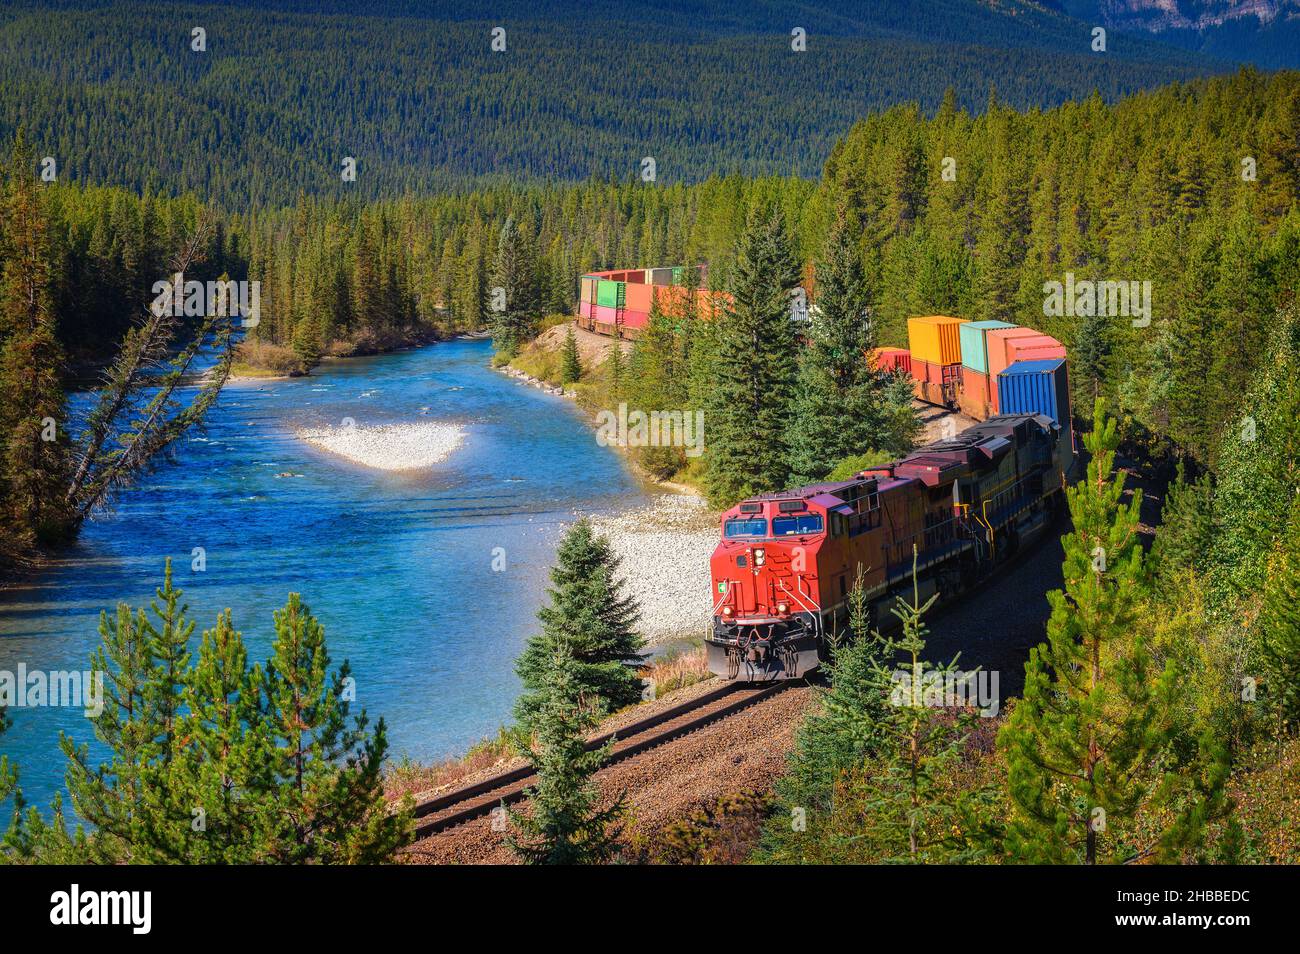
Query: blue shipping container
x=1036 y=387
x=974 y=343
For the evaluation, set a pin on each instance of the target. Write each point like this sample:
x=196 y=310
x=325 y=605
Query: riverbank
x=260 y=360
x=664 y=549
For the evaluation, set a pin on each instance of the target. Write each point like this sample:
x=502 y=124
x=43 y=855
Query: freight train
x=617 y=303
x=960 y=507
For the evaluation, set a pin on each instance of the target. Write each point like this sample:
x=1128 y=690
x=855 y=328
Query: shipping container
x=634 y=319
x=607 y=293
x=587 y=291
x=973 y=336
x=1037 y=348
x=638 y=297
x=660 y=276
x=606 y=314
x=935 y=339
x=892 y=359
x=995 y=346
x=584 y=308
x=974 y=397
x=1036 y=387
x=679 y=275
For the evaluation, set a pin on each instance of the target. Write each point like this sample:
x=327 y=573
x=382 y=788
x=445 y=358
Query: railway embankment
x=670 y=776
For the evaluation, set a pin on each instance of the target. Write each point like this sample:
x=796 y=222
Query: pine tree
x=565 y=825
x=513 y=295
x=749 y=413
x=306 y=345
x=1185 y=540
x=1279 y=623
x=589 y=612
x=924 y=732
x=111 y=796
x=328 y=800
x=11 y=834
x=843 y=731
x=34 y=457
x=873 y=769
x=1259 y=469
x=615 y=372
x=132 y=795
x=1090 y=356
x=1083 y=746
x=206 y=805
x=838 y=395
x=570 y=361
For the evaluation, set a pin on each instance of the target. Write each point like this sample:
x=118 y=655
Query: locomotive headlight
x=782 y=608
x=760 y=556
x=726 y=611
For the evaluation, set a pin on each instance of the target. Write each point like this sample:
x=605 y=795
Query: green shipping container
x=607 y=293
x=974 y=344
x=679 y=275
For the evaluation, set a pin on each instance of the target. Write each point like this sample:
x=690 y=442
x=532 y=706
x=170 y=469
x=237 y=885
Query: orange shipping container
x=995 y=343
x=638 y=297
x=935 y=339
x=974 y=400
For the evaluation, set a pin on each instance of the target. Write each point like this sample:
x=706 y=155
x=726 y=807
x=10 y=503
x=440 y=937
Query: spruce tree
x=1185 y=540
x=1083 y=747
x=565 y=824
x=570 y=362
x=872 y=769
x=615 y=372
x=512 y=293
x=589 y=612
x=306 y=345
x=837 y=409
x=747 y=423
x=1279 y=623
x=841 y=732
x=327 y=801
x=924 y=731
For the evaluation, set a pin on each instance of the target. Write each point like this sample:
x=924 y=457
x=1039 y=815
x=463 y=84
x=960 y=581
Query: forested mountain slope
x=285 y=90
x=1263 y=32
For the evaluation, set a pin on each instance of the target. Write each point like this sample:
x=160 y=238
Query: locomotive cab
x=767 y=607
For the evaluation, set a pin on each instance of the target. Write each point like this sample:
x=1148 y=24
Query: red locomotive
x=786 y=562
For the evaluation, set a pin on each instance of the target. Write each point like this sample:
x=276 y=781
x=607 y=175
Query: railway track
x=478 y=800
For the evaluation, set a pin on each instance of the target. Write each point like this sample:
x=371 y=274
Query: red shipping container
x=892 y=359
x=995 y=343
x=605 y=314
x=638 y=297
x=634 y=319
x=974 y=400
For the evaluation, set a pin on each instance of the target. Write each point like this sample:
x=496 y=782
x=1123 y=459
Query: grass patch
x=407 y=777
x=678 y=669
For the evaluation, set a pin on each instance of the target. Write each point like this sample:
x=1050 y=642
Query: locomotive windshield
x=745 y=527
x=797 y=525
